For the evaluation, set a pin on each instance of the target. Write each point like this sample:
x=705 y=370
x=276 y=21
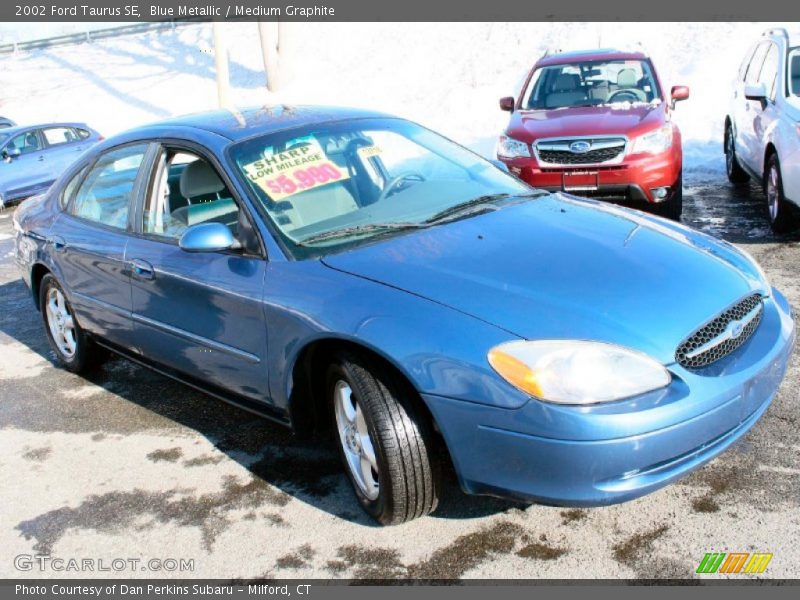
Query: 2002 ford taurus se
x=328 y=267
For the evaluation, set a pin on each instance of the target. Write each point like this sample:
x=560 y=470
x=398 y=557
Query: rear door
x=89 y=241
x=766 y=115
x=199 y=313
x=62 y=145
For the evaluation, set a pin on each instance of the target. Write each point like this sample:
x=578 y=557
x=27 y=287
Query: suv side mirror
x=207 y=237
x=756 y=91
x=507 y=104
x=678 y=93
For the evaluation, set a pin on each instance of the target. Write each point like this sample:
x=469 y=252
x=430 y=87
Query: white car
x=762 y=129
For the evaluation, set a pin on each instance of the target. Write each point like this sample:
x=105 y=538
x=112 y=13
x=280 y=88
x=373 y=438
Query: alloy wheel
x=359 y=450
x=61 y=323
x=773 y=196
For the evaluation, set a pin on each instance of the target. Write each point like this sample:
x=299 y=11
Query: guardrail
x=89 y=36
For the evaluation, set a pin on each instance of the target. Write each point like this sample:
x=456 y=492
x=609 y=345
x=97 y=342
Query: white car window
x=754 y=69
x=769 y=71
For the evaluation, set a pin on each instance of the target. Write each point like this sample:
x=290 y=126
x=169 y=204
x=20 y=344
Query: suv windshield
x=591 y=83
x=343 y=183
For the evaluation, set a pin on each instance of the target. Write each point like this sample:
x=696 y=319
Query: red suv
x=597 y=123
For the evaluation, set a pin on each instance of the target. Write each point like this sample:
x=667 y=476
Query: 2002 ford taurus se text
x=327 y=267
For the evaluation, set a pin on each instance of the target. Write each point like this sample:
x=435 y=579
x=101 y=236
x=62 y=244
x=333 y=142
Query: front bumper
x=604 y=454
x=632 y=180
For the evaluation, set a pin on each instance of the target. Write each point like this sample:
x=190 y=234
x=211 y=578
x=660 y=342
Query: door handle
x=41 y=158
x=58 y=243
x=141 y=269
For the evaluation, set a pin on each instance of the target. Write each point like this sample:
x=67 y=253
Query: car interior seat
x=567 y=91
x=627 y=79
x=198 y=181
x=31 y=143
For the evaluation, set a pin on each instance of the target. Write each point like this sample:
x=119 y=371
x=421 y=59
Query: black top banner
x=398 y=10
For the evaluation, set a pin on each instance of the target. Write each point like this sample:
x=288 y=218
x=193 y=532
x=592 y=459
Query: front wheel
x=74 y=349
x=672 y=208
x=386 y=445
x=781 y=218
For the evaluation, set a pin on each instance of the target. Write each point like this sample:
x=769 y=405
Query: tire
x=75 y=351
x=734 y=170
x=781 y=217
x=672 y=208
x=373 y=409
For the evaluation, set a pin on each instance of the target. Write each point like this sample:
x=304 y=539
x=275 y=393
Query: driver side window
x=186 y=191
x=25 y=143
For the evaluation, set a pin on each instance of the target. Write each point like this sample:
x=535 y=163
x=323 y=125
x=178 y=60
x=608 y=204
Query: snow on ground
x=447 y=76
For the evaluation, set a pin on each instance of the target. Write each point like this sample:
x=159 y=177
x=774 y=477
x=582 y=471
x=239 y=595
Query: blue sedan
x=33 y=156
x=349 y=271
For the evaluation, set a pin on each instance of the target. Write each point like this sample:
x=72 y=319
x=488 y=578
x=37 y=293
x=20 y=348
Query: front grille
x=562 y=157
x=559 y=152
x=720 y=337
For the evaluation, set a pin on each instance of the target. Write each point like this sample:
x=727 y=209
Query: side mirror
x=756 y=91
x=678 y=93
x=207 y=237
x=507 y=104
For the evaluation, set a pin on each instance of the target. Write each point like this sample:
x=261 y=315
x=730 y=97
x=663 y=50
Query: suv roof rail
x=781 y=31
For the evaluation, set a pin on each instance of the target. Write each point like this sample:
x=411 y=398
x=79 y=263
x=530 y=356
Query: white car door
x=767 y=114
x=747 y=144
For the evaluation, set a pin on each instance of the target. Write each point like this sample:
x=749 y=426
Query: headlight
x=577 y=372
x=654 y=142
x=508 y=147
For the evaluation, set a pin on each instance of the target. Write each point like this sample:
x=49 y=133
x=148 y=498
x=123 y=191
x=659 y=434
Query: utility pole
x=221 y=63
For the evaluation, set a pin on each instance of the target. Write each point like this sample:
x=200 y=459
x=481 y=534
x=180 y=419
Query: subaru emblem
x=579 y=147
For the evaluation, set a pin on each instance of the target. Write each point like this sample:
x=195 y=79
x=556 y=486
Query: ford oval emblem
x=579 y=147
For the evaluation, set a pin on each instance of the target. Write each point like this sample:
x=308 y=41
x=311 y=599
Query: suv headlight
x=508 y=147
x=654 y=142
x=576 y=371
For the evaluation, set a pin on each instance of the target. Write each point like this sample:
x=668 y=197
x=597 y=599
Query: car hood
x=559 y=267
x=622 y=119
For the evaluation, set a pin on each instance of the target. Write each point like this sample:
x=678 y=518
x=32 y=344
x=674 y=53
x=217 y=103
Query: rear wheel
x=735 y=172
x=781 y=217
x=74 y=349
x=386 y=445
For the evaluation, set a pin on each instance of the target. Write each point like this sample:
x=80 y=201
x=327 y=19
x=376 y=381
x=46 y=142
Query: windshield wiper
x=476 y=205
x=355 y=230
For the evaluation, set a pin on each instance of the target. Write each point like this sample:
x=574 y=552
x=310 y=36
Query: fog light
x=659 y=194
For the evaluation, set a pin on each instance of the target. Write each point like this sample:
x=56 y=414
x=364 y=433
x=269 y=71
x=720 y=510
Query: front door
x=199 y=313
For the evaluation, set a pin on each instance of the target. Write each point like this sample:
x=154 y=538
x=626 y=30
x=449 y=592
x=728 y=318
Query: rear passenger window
x=83 y=134
x=106 y=192
x=60 y=135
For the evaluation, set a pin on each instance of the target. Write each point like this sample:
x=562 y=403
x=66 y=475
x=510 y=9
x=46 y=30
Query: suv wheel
x=781 y=218
x=736 y=174
x=672 y=208
x=387 y=447
x=74 y=349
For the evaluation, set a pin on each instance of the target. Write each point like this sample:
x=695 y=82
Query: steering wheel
x=634 y=93
x=395 y=181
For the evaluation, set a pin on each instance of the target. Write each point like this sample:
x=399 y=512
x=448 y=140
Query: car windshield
x=794 y=72
x=591 y=83
x=337 y=184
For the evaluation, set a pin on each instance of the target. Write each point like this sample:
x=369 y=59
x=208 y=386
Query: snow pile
x=446 y=76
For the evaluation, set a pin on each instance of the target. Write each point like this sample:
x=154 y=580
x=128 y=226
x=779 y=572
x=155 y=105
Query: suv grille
x=559 y=152
x=723 y=335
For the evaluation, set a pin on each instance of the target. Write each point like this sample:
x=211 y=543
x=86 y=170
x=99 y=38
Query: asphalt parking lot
x=128 y=464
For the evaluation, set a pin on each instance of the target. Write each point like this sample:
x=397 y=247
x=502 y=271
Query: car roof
x=593 y=54
x=238 y=124
x=21 y=128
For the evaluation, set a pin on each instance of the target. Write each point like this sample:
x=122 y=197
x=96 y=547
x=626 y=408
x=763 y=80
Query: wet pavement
x=128 y=464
